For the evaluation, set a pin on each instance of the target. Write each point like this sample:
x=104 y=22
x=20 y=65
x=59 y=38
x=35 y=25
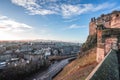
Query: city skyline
x=64 y=20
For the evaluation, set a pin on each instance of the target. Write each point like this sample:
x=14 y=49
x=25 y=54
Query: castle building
x=107 y=28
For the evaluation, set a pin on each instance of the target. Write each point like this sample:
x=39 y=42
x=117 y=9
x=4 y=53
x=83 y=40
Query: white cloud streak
x=71 y=20
x=103 y=6
x=74 y=26
x=13 y=30
x=71 y=10
x=47 y=7
x=33 y=7
x=7 y=24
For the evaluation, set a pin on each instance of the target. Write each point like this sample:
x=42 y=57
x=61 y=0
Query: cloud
x=103 y=6
x=72 y=10
x=3 y=17
x=33 y=7
x=71 y=20
x=7 y=24
x=66 y=9
x=13 y=30
x=74 y=26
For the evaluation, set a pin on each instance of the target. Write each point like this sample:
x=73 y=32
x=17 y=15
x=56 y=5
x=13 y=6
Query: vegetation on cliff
x=90 y=43
x=80 y=68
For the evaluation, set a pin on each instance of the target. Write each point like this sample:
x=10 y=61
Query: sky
x=63 y=20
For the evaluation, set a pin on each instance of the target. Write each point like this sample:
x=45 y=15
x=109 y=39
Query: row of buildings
x=25 y=52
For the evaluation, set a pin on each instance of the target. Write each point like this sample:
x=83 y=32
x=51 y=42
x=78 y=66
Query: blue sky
x=63 y=20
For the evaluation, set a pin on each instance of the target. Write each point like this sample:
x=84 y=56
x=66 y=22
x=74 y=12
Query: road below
x=52 y=70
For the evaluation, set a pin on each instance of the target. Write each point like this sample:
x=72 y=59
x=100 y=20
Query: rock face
x=107 y=29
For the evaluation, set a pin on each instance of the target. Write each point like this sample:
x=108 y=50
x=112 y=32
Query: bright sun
x=8 y=36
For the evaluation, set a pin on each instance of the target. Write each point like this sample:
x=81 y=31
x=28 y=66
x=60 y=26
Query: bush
x=90 y=43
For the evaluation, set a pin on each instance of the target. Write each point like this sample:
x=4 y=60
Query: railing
x=107 y=69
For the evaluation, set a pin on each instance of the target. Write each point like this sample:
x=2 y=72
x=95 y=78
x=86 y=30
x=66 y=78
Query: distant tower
x=92 y=26
x=100 y=44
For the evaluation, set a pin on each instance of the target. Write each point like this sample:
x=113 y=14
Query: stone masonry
x=107 y=28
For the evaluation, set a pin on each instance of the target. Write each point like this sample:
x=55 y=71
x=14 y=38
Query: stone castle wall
x=111 y=20
x=107 y=28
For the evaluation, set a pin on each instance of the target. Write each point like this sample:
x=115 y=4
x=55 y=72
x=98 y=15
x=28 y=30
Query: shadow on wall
x=109 y=69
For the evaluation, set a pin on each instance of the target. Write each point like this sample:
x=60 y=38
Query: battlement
x=111 y=20
x=107 y=29
x=106 y=17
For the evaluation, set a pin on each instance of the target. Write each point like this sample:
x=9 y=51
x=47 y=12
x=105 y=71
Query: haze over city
x=65 y=20
x=59 y=39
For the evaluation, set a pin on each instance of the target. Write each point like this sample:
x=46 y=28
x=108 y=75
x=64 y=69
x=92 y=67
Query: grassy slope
x=80 y=68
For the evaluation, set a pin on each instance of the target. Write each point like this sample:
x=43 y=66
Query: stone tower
x=100 y=44
x=92 y=26
x=107 y=29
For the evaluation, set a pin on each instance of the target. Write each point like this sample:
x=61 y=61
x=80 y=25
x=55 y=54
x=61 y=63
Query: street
x=52 y=70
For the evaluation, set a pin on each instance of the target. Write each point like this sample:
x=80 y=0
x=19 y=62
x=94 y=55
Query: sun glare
x=8 y=36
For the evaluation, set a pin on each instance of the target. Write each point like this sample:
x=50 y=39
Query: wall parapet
x=107 y=69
